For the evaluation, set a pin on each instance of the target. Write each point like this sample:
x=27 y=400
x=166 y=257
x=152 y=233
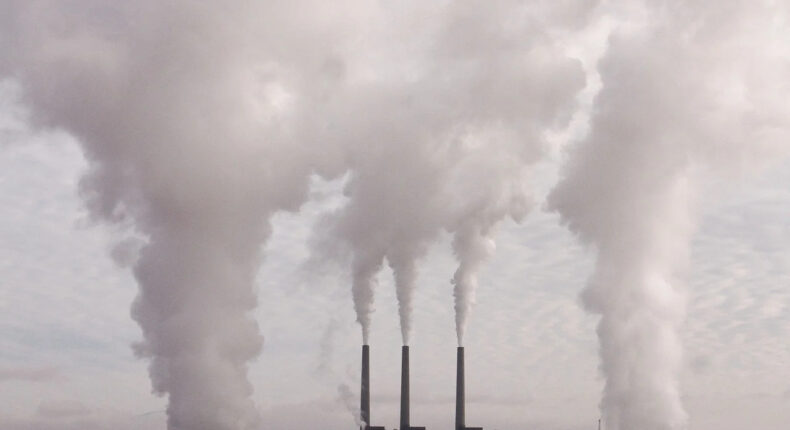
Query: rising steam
x=181 y=134
x=450 y=126
x=697 y=89
x=201 y=119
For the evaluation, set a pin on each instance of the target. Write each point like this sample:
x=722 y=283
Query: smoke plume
x=349 y=401
x=182 y=124
x=442 y=138
x=199 y=120
x=687 y=89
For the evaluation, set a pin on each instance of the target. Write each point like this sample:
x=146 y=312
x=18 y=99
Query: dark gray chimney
x=460 y=398
x=404 y=388
x=404 y=391
x=460 y=394
x=364 y=398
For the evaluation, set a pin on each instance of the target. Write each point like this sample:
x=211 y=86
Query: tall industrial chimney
x=460 y=395
x=364 y=398
x=404 y=391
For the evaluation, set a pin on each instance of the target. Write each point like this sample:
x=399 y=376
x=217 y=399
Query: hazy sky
x=66 y=287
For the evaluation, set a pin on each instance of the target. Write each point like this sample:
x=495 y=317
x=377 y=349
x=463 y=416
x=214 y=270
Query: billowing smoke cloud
x=440 y=136
x=182 y=116
x=199 y=120
x=688 y=88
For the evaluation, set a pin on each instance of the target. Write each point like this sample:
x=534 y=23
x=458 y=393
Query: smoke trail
x=362 y=292
x=450 y=122
x=472 y=247
x=697 y=88
x=347 y=398
x=324 y=370
x=488 y=185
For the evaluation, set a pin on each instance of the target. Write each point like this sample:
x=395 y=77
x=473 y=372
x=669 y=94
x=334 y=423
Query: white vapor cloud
x=694 y=87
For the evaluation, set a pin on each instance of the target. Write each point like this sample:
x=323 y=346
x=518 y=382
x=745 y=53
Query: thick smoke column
x=441 y=137
x=699 y=87
x=201 y=119
x=181 y=118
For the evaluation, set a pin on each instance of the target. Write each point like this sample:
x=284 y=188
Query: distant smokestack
x=364 y=398
x=404 y=388
x=404 y=391
x=460 y=396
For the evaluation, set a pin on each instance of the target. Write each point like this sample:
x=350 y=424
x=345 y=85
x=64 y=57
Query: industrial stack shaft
x=404 y=391
x=405 y=424
x=364 y=398
x=460 y=394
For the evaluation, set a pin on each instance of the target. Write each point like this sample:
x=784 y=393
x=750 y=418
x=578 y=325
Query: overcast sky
x=66 y=360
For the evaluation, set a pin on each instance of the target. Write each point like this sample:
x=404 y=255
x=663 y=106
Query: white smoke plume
x=472 y=247
x=490 y=186
x=199 y=120
x=182 y=115
x=440 y=136
x=688 y=88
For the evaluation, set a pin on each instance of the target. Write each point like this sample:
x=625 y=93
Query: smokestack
x=404 y=388
x=460 y=396
x=404 y=391
x=364 y=398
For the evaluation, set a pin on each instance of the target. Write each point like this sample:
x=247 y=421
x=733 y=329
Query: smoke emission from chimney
x=180 y=122
x=200 y=120
x=696 y=89
x=449 y=134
